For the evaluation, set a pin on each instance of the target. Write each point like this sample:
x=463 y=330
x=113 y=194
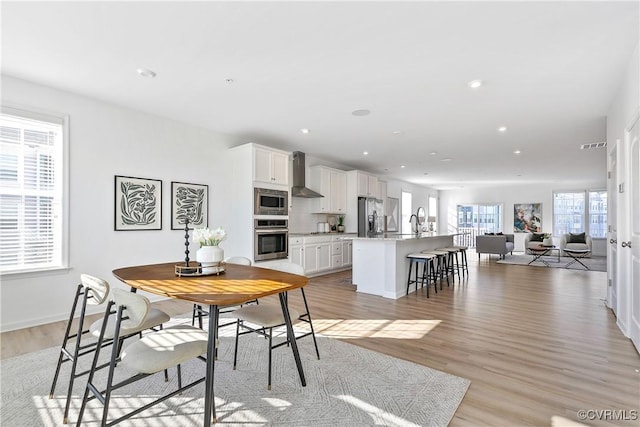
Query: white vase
x=547 y=242
x=209 y=256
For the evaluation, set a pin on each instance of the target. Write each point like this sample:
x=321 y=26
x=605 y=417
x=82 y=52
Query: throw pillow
x=577 y=238
x=537 y=237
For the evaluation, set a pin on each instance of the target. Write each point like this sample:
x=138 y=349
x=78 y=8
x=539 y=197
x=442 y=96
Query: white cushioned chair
x=269 y=316
x=532 y=240
x=199 y=312
x=580 y=241
x=93 y=291
x=153 y=353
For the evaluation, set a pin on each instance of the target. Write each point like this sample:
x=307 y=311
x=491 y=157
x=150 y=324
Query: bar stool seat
x=453 y=262
x=442 y=264
x=428 y=270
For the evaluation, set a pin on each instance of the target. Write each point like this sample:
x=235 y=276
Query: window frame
x=586 y=213
x=33 y=113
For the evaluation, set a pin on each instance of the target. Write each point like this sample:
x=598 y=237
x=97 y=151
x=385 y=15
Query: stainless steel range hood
x=299 y=189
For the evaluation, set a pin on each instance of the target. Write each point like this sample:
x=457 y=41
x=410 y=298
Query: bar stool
x=452 y=261
x=441 y=264
x=428 y=270
x=464 y=266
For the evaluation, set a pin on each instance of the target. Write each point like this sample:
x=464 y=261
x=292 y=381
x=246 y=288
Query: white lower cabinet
x=347 y=248
x=320 y=254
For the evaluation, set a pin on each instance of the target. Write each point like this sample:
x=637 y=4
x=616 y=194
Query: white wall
x=106 y=140
x=507 y=196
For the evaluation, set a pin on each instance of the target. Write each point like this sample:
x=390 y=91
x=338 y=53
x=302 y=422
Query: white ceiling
x=550 y=69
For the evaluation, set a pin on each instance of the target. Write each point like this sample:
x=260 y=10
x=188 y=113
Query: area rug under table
x=594 y=263
x=348 y=386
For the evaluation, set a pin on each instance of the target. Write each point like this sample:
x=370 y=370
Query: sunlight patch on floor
x=374 y=328
x=378 y=416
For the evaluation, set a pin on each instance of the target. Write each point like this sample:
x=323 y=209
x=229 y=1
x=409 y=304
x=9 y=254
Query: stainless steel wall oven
x=271 y=239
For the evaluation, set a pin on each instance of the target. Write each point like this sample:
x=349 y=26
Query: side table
x=540 y=251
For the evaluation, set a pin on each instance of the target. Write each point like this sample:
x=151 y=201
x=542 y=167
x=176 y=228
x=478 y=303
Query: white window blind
x=31 y=191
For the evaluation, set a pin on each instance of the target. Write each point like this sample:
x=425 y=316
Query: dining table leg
x=209 y=398
x=291 y=336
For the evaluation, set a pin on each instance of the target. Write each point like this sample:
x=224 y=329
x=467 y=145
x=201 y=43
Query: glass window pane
x=568 y=212
x=30 y=192
x=598 y=214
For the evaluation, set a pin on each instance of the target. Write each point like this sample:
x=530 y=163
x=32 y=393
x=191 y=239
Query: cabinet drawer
x=336 y=248
x=312 y=240
x=336 y=261
x=296 y=240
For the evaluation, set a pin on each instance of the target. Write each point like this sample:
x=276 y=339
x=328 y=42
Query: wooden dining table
x=237 y=284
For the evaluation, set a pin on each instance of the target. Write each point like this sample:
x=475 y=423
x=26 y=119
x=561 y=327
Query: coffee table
x=575 y=255
x=539 y=251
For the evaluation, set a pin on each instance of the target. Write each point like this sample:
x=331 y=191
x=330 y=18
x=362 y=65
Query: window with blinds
x=31 y=191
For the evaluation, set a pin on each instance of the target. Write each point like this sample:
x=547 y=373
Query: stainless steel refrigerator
x=370 y=217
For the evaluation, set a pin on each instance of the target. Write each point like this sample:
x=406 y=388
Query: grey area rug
x=348 y=386
x=594 y=263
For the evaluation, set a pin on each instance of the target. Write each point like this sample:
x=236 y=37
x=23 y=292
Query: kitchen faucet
x=416 y=230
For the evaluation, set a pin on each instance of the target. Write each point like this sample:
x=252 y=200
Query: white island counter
x=380 y=264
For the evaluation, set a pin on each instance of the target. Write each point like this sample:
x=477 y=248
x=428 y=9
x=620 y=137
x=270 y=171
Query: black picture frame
x=189 y=201
x=137 y=203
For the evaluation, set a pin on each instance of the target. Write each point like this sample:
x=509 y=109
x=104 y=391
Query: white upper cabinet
x=332 y=184
x=270 y=166
x=367 y=185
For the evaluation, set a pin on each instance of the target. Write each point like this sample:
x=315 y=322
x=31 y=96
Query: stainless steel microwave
x=270 y=202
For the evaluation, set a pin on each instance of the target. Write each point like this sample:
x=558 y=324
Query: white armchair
x=573 y=241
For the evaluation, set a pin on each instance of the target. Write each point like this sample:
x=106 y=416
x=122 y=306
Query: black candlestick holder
x=186 y=242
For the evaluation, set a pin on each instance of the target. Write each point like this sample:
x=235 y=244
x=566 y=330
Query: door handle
x=613 y=241
x=626 y=244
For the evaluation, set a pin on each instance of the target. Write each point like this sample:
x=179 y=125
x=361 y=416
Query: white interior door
x=633 y=244
x=612 y=251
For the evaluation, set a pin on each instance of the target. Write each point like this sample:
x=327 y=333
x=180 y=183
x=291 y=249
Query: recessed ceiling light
x=145 y=72
x=402 y=166
x=305 y=130
x=475 y=84
x=446 y=159
x=502 y=129
x=397 y=132
x=362 y=112
x=366 y=153
x=433 y=153
x=517 y=152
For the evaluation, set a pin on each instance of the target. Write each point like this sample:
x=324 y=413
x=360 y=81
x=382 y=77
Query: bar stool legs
x=464 y=266
x=441 y=265
x=428 y=270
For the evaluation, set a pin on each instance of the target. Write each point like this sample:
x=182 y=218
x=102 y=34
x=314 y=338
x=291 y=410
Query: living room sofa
x=499 y=244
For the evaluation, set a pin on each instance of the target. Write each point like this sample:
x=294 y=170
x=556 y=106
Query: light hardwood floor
x=535 y=342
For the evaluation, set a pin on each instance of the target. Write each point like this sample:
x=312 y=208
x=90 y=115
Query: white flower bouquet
x=209 y=237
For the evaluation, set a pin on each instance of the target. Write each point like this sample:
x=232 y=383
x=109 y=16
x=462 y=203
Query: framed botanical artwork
x=189 y=201
x=138 y=203
x=527 y=217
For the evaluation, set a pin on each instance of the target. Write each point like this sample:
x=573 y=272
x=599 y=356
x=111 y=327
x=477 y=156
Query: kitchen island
x=380 y=264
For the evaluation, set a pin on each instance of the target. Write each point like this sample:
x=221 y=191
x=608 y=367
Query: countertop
x=398 y=236
x=333 y=233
